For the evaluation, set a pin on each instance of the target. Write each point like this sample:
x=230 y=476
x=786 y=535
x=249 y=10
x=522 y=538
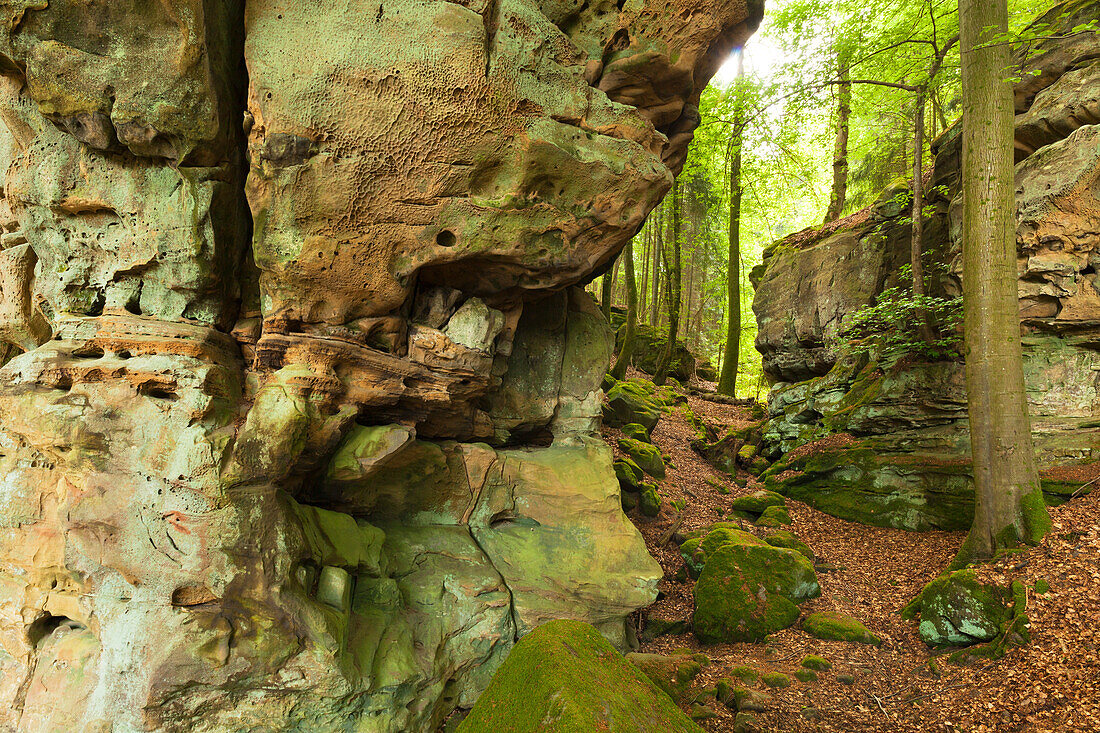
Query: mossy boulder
x=784 y=538
x=774 y=516
x=755 y=504
x=636 y=431
x=657 y=624
x=834 y=626
x=673 y=674
x=746 y=453
x=650 y=343
x=629 y=500
x=959 y=610
x=805 y=675
x=816 y=663
x=629 y=474
x=776 y=679
x=564 y=676
x=632 y=401
x=696 y=549
x=750 y=589
x=649 y=503
x=645 y=455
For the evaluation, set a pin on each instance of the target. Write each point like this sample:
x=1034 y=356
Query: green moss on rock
x=834 y=626
x=776 y=679
x=747 y=591
x=958 y=610
x=564 y=676
x=629 y=474
x=816 y=663
x=784 y=538
x=774 y=516
x=805 y=675
x=645 y=455
x=673 y=674
x=649 y=503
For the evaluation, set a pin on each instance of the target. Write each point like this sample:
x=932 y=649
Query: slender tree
x=672 y=288
x=1009 y=508
x=839 y=196
x=606 y=284
x=727 y=381
x=626 y=351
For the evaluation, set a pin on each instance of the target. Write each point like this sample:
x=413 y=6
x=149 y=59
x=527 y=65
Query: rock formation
x=297 y=415
x=889 y=444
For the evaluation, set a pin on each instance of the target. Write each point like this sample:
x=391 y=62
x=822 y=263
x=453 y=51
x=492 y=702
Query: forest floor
x=1051 y=684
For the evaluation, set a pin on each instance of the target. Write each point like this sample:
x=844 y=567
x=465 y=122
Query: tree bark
x=727 y=380
x=1009 y=508
x=839 y=196
x=627 y=349
x=606 y=284
x=672 y=290
x=658 y=247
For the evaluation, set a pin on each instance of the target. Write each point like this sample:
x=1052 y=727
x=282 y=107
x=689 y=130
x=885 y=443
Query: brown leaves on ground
x=1051 y=684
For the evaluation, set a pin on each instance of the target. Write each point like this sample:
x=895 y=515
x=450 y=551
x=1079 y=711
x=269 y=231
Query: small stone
x=820 y=664
x=629 y=474
x=811 y=713
x=1042 y=587
x=629 y=500
x=833 y=626
x=645 y=455
x=745 y=723
x=702 y=712
x=805 y=675
x=636 y=431
x=846 y=679
x=776 y=679
x=746 y=674
x=672 y=673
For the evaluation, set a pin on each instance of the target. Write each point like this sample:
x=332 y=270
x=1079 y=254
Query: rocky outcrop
x=885 y=441
x=298 y=416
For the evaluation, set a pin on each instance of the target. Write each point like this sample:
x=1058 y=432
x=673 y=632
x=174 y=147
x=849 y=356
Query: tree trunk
x=839 y=196
x=646 y=241
x=1009 y=507
x=606 y=283
x=672 y=291
x=658 y=247
x=727 y=381
x=915 y=261
x=627 y=349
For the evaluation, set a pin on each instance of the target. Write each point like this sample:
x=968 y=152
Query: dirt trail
x=1051 y=684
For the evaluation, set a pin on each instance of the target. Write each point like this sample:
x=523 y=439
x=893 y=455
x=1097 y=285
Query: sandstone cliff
x=298 y=398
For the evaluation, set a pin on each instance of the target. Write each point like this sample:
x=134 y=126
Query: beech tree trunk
x=1009 y=507
x=658 y=248
x=606 y=283
x=839 y=196
x=672 y=290
x=627 y=349
x=727 y=380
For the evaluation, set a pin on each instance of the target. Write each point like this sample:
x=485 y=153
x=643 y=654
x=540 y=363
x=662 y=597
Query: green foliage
x=891 y=328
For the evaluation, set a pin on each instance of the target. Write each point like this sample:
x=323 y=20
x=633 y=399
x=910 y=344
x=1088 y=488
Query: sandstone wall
x=901 y=458
x=298 y=397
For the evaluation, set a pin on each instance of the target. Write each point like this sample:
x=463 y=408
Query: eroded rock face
x=890 y=443
x=245 y=369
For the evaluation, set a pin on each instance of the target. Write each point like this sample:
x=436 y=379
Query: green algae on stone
x=805 y=675
x=957 y=609
x=747 y=591
x=649 y=503
x=757 y=503
x=632 y=401
x=834 y=626
x=646 y=455
x=787 y=539
x=673 y=674
x=629 y=474
x=774 y=516
x=775 y=679
x=636 y=431
x=816 y=663
x=564 y=676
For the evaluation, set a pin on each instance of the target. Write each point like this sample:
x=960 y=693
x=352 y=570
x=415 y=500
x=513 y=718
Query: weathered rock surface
x=887 y=443
x=298 y=419
x=565 y=677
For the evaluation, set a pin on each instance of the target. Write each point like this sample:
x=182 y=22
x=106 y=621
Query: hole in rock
x=88 y=351
x=157 y=391
x=446 y=238
x=192 y=595
x=45 y=625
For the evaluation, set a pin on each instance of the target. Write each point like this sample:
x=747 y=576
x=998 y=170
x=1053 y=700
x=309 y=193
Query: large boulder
x=633 y=402
x=565 y=677
x=749 y=589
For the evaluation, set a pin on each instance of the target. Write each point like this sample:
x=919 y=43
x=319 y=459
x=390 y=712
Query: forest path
x=1050 y=684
